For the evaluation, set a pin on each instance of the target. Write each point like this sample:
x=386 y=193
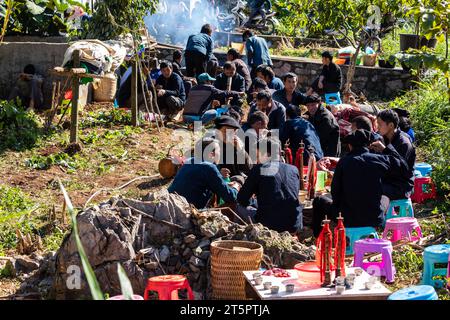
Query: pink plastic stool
x=402 y=228
x=385 y=268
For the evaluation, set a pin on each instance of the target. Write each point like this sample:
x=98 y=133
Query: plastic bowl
x=340 y=61
x=308 y=272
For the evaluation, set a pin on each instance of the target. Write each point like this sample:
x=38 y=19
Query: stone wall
x=373 y=82
x=14 y=56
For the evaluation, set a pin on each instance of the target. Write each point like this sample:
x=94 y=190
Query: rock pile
x=162 y=234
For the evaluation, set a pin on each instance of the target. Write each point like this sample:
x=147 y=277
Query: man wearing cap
x=234 y=159
x=330 y=79
x=296 y=130
x=356 y=189
x=290 y=95
x=205 y=96
x=241 y=68
x=326 y=126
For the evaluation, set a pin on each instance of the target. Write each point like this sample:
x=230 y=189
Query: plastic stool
x=385 y=267
x=424 y=168
x=355 y=234
x=415 y=293
x=167 y=287
x=424 y=189
x=333 y=98
x=405 y=209
x=121 y=297
x=402 y=228
x=431 y=256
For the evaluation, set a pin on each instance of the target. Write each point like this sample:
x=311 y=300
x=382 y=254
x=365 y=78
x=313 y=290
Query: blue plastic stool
x=333 y=98
x=415 y=293
x=424 y=168
x=405 y=209
x=355 y=234
x=431 y=256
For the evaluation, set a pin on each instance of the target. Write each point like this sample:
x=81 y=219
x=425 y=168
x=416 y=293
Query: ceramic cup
x=358 y=272
x=369 y=285
x=290 y=288
x=340 y=280
x=340 y=289
x=258 y=281
x=267 y=285
x=373 y=279
x=257 y=275
x=274 y=289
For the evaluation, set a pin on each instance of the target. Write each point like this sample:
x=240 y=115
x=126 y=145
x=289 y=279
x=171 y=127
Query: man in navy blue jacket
x=170 y=90
x=276 y=186
x=237 y=82
x=396 y=187
x=356 y=188
x=198 y=51
x=290 y=95
x=267 y=74
x=199 y=178
x=297 y=129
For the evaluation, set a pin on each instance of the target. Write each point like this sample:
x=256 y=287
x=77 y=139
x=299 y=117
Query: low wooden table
x=308 y=291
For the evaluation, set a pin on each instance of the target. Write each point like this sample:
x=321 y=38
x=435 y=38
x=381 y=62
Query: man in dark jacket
x=170 y=90
x=267 y=74
x=241 y=68
x=356 y=188
x=237 y=82
x=326 y=126
x=276 y=186
x=205 y=97
x=273 y=109
x=395 y=187
x=199 y=178
x=297 y=129
x=234 y=160
x=330 y=79
x=198 y=51
x=290 y=95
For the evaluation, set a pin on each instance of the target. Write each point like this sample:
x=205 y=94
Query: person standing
x=257 y=51
x=198 y=51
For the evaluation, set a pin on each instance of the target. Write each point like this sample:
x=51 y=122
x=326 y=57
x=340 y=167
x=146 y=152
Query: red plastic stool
x=424 y=189
x=167 y=287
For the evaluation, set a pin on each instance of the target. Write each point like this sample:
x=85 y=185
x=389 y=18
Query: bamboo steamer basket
x=105 y=89
x=228 y=260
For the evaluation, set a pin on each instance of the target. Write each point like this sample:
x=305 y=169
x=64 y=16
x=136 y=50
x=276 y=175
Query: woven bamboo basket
x=105 y=90
x=228 y=260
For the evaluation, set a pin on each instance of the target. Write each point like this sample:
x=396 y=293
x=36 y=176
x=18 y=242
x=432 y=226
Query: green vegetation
x=15 y=208
x=19 y=129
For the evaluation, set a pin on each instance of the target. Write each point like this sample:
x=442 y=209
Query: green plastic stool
x=355 y=234
x=405 y=209
x=431 y=256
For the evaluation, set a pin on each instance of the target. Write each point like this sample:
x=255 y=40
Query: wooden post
x=134 y=95
x=75 y=97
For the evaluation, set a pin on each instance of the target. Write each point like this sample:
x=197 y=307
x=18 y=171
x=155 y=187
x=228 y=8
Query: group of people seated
x=242 y=165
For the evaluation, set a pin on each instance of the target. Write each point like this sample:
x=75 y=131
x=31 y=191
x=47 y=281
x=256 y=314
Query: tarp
x=103 y=57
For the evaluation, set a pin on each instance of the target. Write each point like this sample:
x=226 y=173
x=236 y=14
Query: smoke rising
x=176 y=20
